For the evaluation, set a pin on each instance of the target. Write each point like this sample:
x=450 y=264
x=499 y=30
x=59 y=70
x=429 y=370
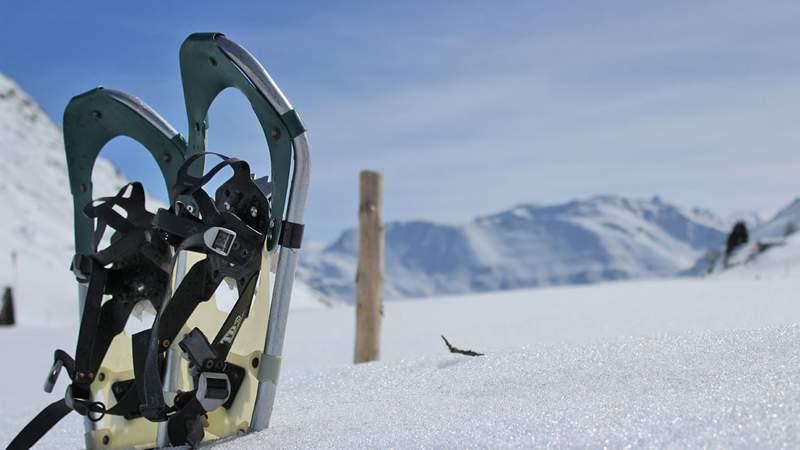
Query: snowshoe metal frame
x=210 y=63
x=93 y=119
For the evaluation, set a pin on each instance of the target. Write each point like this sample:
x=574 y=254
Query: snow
x=779 y=262
x=772 y=250
x=788 y=217
x=683 y=362
x=711 y=390
x=679 y=363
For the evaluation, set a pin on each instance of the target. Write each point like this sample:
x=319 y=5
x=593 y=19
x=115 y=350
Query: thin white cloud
x=693 y=101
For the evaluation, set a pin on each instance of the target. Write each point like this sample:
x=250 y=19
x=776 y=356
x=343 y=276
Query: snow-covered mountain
x=583 y=241
x=786 y=222
x=36 y=213
x=772 y=249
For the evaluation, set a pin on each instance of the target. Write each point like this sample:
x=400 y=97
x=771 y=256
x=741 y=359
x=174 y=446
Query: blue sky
x=466 y=107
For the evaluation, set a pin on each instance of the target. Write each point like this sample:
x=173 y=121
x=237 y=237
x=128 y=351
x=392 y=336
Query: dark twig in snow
x=459 y=351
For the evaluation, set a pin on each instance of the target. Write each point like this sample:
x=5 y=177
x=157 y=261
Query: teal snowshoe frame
x=210 y=63
x=94 y=118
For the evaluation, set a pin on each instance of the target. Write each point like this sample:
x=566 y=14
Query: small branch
x=458 y=350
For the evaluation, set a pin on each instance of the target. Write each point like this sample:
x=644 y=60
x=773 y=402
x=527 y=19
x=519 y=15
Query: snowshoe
x=170 y=385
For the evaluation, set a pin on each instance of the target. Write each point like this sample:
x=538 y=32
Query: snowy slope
x=667 y=363
x=716 y=390
x=773 y=249
x=36 y=218
x=583 y=241
x=778 y=262
x=786 y=221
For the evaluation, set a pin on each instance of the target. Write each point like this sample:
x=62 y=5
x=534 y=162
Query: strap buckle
x=198 y=350
x=94 y=411
x=219 y=240
x=213 y=390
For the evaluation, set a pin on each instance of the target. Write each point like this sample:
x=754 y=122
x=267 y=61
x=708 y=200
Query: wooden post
x=369 y=275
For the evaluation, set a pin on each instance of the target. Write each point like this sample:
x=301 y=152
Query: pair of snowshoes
x=200 y=373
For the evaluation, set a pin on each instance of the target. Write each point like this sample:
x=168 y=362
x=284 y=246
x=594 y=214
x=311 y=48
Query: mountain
x=772 y=249
x=786 y=222
x=583 y=241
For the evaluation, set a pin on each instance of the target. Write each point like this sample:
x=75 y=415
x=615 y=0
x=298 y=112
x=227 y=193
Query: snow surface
x=686 y=362
x=710 y=390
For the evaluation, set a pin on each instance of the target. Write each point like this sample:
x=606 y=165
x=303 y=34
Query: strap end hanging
x=52 y=376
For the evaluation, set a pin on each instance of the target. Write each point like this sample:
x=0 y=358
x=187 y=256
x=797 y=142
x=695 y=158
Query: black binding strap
x=131 y=268
x=231 y=231
x=291 y=234
x=40 y=425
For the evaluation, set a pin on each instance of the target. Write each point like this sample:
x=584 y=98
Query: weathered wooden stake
x=369 y=275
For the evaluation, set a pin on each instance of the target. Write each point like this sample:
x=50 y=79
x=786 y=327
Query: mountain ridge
x=599 y=238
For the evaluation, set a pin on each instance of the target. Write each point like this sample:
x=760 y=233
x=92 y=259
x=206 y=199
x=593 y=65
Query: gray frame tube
x=282 y=295
x=269 y=366
x=173 y=360
x=256 y=73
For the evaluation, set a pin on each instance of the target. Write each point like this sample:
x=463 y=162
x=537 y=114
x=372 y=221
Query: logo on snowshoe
x=231 y=333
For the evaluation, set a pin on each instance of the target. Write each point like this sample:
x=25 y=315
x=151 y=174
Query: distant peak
x=13 y=97
x=791 y=210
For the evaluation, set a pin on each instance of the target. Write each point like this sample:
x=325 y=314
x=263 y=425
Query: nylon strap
x=199 y=284
x=132 y=254
x=291 y=234
x=40 y=425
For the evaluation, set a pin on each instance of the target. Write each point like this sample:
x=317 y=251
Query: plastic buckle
x=213 y=390
x=94 y=411
x=198 y=350
x=219 y=240
x=52 y=376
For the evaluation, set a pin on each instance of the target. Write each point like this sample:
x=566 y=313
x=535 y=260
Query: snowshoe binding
x=204 y=370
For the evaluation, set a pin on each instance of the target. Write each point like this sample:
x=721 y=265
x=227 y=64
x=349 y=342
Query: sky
x=466 y=107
